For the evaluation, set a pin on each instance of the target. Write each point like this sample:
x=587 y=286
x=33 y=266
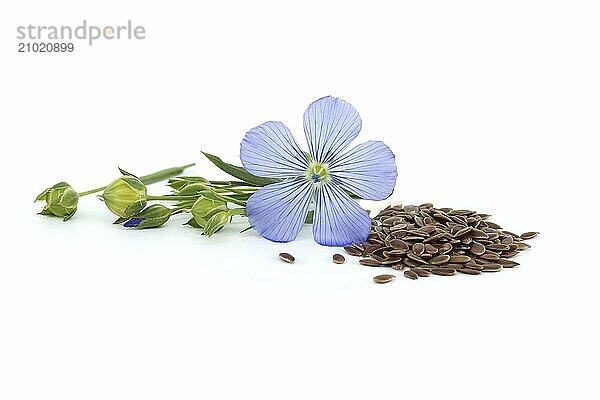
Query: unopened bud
x=61 y=201
x=125 y=196
x=151 y=217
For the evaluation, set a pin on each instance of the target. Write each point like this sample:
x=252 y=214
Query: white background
x=490 y=106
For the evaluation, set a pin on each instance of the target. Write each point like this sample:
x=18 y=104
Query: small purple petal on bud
x=133 y=222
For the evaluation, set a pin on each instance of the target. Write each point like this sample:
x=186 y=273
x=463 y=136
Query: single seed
x=476 y=266
x=507 y=263
x=490 y=256
x=338 y=259
x=443 y=271
x=508 y=254
x=434 y=237
x=529 y=235
x=463 y=231
x=288 y=258
x=492 y=267
x=522 y=246
x=441 y=259
x=411 y=275
x=418 y=248
x=459 y=259
x=479 y=234
x=446 y=248
x=399 y=244
x=421 y=272
x=397 y=252
x=477 y=248
x=493 y=225
x=390 y=260
x=415 y=258
x=385 y=278
x=469 y=271
x=430 y=249
x=498 y=247
x=369 y=262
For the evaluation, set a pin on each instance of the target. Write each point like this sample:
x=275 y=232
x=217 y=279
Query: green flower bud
x=125 y=196
x=151 y=217
x=193 y=189
x=180 y=182
x=216 y=223
x=204 y=208
x=61 y=201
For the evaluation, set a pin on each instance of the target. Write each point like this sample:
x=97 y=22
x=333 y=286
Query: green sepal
x=192 y=189
x=120 y=220
x=206 y=207
x=125 y=196
x=61 y=201
x=125 y=173
x=68 y=217
x=42 y=196
x=216 y=223
x=240 y=172
x=193 y=223
x=153 y=216
x=180 y=182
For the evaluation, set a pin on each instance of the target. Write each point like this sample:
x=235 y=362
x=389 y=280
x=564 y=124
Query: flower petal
x=368 y=170
x=338 y=219
x=330 y=124
x=270 y=150
x=277 y=212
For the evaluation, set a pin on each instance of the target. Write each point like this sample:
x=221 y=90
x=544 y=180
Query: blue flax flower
x=324 y=175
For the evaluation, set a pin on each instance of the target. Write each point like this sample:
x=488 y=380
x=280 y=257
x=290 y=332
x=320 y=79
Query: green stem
x=148 y=179
x=171 y=197
x=237 y=211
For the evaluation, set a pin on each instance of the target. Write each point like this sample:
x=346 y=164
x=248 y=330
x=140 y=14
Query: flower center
x=318 y=173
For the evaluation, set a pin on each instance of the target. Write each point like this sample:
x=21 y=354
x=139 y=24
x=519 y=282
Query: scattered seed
x=338 y=259
x=411 y=275
x=288 y=258
x=529 y=235
x=443 y=271
x=385 y=278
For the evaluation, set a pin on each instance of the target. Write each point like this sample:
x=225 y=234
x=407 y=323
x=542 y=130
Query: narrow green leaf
x=240 y=172
x=309 y=217
x=125 y=173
